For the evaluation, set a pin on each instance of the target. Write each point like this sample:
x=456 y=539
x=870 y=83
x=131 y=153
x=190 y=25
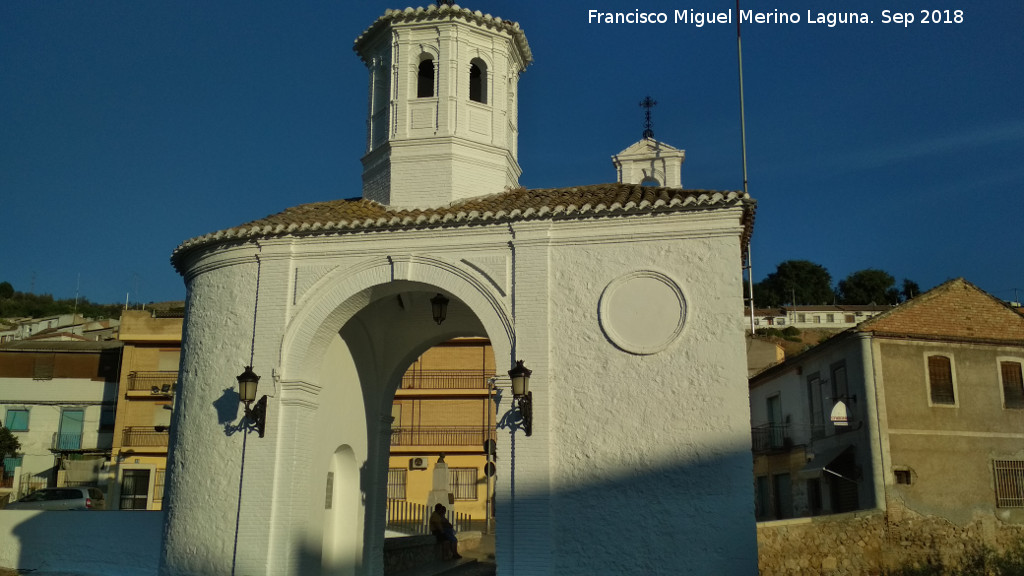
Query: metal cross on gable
x=647 y=103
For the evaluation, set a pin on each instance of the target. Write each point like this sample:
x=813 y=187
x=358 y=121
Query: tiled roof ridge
x=444 y=11
x=916 y=301
x=517 y=204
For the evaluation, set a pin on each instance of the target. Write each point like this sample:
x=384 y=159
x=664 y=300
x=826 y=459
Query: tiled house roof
x=956 y=309
x=580 y=202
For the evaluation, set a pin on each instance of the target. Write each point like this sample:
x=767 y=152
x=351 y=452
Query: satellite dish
x=840 y=416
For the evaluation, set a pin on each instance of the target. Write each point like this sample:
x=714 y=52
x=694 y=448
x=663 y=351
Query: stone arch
x=340 y=294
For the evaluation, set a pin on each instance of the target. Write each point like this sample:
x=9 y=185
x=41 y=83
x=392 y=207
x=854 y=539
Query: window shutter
x=940 y=378
x=1013 y=384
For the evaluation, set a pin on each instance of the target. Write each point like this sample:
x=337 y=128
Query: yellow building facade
x=444 y=406
x=148 y=378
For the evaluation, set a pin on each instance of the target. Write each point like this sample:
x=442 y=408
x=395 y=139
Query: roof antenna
x=647 y=103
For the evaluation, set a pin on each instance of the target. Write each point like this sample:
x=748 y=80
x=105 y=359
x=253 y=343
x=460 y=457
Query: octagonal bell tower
x=442 y=119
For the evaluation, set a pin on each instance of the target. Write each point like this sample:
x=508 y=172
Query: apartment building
x=146 y=386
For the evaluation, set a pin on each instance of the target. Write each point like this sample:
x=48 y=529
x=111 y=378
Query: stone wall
x=871 y=541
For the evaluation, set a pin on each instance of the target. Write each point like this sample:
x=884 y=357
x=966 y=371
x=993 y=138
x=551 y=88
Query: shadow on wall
x=677 y=518
x=693 y=517
x=100 y=543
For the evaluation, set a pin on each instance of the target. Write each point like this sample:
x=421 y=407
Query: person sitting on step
x=443 y=530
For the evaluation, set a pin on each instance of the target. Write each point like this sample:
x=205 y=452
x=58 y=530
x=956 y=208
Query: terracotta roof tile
x=445 y=12
x=955 y=309
x=599 y=200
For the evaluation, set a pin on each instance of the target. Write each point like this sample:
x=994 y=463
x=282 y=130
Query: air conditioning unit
x=418 y=463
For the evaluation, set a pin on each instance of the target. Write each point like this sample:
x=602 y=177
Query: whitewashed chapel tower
x=442 y=121
x=625 y=299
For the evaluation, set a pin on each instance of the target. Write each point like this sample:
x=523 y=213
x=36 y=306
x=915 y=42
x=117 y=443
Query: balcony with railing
x=153 y=382
x=771 y=438
x=144 y=437
x=476 y=380
x=78 y=442
x=469 y=437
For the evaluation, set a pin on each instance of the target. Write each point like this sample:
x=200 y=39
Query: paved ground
x=35 y=572
x=484 y=553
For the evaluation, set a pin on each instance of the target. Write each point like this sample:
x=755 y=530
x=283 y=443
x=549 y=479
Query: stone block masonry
x=873 y=541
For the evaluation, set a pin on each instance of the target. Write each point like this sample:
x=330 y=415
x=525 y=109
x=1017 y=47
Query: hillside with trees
x=14 y=304
x=801 y=282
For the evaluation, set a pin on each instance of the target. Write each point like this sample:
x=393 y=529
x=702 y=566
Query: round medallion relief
x=642 y=312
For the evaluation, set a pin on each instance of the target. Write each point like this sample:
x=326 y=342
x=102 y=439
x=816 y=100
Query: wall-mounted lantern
x=248 y=381
x=521 y=395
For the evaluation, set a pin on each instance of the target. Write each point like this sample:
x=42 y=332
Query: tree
x=910 y=289
x=795 y=282
x=6 y=290
x=869 y=286
x=9 y=444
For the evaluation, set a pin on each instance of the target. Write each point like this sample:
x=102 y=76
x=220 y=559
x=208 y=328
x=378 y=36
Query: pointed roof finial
x=647 y=103
x=445 y=2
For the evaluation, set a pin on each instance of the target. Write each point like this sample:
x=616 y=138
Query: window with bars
x=396 y=483
x=1009 y=476
x=1013 y=384
x=158 y=484
x=462 y=483
x=940 y=380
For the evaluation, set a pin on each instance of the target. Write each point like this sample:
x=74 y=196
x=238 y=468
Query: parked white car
x=84 y=498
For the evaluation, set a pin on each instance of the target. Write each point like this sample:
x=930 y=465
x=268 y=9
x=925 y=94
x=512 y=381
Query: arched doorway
x=384 y=328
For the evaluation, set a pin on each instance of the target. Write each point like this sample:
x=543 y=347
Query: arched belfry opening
x=478 y=81
x=425 y=78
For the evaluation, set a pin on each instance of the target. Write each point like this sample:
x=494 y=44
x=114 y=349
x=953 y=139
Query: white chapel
x=624 y=299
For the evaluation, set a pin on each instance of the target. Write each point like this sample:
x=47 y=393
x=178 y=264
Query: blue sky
x=127 y=127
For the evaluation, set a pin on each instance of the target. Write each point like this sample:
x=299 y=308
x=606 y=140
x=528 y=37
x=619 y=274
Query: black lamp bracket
x=257 y=415
x=525 y=406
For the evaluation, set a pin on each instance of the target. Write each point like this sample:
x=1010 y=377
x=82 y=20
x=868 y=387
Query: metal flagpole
x=743 y=139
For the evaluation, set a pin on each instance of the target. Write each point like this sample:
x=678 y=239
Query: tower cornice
x=445 y=13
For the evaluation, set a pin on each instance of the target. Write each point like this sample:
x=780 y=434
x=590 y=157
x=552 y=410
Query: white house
x=58 y=398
